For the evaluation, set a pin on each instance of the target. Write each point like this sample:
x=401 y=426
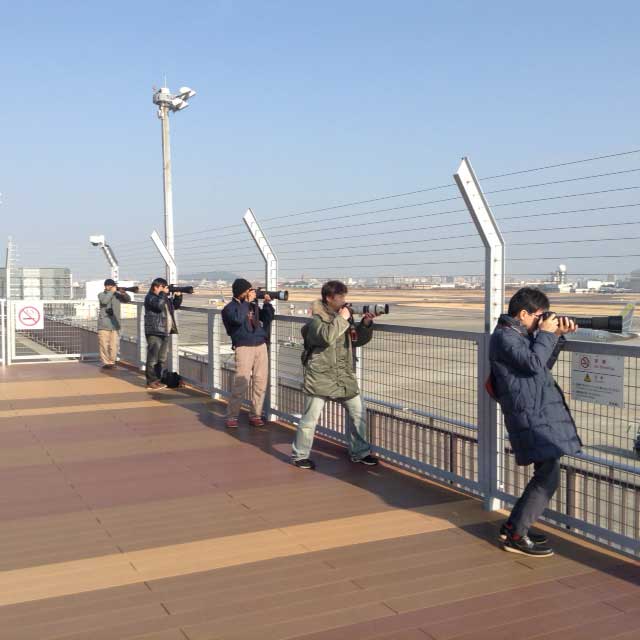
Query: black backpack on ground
x=171 y=379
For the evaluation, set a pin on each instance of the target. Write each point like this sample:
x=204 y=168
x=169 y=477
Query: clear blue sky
x=299 y=105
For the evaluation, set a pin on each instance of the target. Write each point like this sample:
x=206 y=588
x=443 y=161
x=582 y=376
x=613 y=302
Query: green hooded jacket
x=328 y=358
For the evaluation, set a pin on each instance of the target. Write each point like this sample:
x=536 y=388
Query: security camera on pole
x=167 y=102
x=99 y=241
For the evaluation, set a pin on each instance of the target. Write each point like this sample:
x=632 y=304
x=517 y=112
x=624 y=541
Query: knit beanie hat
x=239 y=286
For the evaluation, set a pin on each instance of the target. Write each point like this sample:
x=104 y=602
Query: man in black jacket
x=159 y=325
x=248 y=326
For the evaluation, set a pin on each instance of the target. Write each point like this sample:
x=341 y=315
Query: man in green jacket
x=329 y=339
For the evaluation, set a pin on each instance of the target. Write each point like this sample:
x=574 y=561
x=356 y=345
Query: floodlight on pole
x=166 y=103
x=99 y=241
x=169 y=102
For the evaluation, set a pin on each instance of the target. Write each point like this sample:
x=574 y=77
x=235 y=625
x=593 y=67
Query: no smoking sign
x=29 y=316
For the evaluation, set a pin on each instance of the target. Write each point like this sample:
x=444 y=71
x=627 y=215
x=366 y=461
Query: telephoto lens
x=274 y=295
x=376 y=308
x=174 y=288
x=613 y=324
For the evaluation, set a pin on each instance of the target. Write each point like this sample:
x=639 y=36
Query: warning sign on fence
x=29 y=315
x=598 y=378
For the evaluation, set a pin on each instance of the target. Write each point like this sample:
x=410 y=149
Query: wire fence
x=423 y=385
x=426 y=405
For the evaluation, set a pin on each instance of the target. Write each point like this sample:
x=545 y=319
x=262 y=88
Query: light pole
x=168 y=102
x=99 y=241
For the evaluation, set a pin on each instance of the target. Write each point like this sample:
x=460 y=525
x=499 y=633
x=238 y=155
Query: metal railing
x=599 y=494
x=426 y=409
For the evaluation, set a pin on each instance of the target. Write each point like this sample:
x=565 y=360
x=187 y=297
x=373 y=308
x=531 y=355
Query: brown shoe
x=156 y=386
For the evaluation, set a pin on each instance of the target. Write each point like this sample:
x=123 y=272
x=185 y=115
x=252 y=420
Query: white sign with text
x=598 y=378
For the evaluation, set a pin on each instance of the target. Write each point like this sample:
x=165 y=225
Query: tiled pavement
x=125 y=514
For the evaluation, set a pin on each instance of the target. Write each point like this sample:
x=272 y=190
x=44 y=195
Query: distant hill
x=210 y=275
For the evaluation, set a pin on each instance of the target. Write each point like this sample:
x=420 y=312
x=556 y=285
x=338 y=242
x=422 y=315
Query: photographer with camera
x=249 y=327
x=109 y=321
x=328 y=361
x=160 y=305
x=523 y=349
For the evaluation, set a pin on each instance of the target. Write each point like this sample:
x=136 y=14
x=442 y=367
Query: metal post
x=99 y=241
x=491 y=237
x=3 y=331
x=271 y=283
x=141 y=337
x=163 y=114
x=215 y=365
x=174 y=361
x=113 y=262
x=211 y=356
x=490 y=444
x=171 y=270
x=7 y=332
x=9 y=260
x=11 y=334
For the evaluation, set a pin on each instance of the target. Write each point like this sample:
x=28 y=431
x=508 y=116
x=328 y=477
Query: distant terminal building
x=37 y=283
x=634 y=281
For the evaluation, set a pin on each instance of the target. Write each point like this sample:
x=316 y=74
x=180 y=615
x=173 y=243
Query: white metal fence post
x=10 y=341
x=490 y=447
x=215 y=364
x=211 y=356
x=3 y=331
x=271 y=283
x=142 y=355
x=168 y=257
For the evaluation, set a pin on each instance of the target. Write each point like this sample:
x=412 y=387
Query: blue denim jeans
x=359 y=446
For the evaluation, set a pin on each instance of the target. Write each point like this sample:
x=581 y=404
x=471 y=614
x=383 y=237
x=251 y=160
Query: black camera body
x=274 y=295
x=613 y=324
x=174 y=288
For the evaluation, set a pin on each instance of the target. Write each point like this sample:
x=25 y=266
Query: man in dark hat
x=109 y=322
x=248 y=327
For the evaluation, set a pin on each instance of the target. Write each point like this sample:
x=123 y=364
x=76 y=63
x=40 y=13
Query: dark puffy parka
x=536 y=414
x=159 y=316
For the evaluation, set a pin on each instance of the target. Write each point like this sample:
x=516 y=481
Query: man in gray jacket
x=109 y=322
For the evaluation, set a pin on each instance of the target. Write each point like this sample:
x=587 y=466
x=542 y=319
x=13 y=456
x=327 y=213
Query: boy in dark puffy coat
x=523 y=349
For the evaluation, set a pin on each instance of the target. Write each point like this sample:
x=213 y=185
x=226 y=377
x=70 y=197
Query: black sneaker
x=536 y=538
x=305 y=464
x=526 y=546
x=369 y=460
